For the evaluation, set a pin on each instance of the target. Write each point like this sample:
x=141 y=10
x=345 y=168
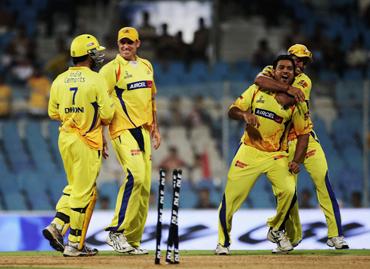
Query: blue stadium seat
x=14 y=147
x=55 y=184
x=199 y=72
x=8 y=182
x=35 y=188
x=38 y=147
x=14 y=200
x=219 y=71
x=54 y=135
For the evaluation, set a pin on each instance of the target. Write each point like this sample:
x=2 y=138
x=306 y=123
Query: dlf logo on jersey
x=139 y=85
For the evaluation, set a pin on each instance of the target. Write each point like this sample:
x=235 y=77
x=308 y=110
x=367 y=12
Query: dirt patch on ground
x=191 y=262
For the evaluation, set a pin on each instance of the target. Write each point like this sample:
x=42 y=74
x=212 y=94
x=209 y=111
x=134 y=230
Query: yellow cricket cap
x=128 y=32
x=300 y=50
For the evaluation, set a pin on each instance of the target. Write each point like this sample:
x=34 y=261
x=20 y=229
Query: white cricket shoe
x=71 y=250
x=221 y=250
x=338 y=242
x=279 y=251
x=55 y=238
x=281 y=239
x=118 y=242
x=138 y=251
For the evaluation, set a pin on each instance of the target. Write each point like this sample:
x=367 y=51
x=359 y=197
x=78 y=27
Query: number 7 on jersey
x=74 y=90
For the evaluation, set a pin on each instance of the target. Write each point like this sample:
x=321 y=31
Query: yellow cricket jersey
x=131 y=84
x=79 y=99
x=302 y=82
x=274 y=119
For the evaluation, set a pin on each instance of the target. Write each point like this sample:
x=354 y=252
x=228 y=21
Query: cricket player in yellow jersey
x=79 y=99
x=263 y=150
x=315 y=160
x=131 y=84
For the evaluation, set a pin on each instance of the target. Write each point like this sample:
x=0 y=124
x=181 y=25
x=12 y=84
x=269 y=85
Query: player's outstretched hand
x=156 y=137
x=297 y=93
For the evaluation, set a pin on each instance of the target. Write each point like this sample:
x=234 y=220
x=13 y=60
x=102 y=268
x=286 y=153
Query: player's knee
x=137 y=175
x=288 y=192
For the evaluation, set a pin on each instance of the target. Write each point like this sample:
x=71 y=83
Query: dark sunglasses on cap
x=124 y=41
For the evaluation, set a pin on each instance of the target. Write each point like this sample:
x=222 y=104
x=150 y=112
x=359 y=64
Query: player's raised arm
x=265 y=80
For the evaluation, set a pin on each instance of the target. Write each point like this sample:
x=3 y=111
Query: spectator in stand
x=39 y=86
x=172 y=161
x=153 y=199
x=181 y=49
x=7 y=59
x=199 y=114
x=104 y=202
x=263 y=56
x=305 y=199
x=174 y=117
x=356 y=199
x=200 y=171
x=203 y=192
x=24 y=46
x=5 y=99
x=22 y=71
x=201 y=42
x=147 y=31
x=60 y=62
x=358 y=55
x=165 y=45
x=148 y=36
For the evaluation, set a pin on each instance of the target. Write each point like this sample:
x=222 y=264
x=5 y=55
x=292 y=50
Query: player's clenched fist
x=251 y=119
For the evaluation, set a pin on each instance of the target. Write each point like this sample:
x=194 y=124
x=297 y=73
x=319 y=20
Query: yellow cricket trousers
x=248 y=164
x=316 y=165
x=133 y=151
x=82 y=165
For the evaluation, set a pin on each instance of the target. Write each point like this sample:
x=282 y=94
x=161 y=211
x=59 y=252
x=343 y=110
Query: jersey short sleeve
x=244 y=101
x=110 y=74
x=53 y=107
x=303 y=82
x=106 y=106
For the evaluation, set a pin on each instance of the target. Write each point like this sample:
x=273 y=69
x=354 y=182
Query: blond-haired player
x=131 y=84
x=263 y=151
x=315 y=160
x=79 y=100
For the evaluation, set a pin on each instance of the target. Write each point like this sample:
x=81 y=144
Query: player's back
x=74 y=94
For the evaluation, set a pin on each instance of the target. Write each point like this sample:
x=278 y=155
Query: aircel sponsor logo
x=139 y=85
x=268 y=115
